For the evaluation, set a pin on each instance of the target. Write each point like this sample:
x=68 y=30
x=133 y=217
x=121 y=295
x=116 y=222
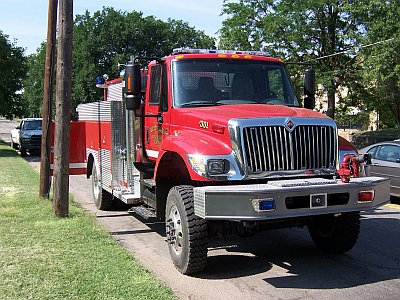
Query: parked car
x=385 y=161
x=27 y=135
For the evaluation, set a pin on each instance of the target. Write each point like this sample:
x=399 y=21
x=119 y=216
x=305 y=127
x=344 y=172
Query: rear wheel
x=335 y=235
x=187 y=234
x=102 y=199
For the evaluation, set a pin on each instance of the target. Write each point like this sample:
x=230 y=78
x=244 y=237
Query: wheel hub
x=174 y=230
x=96 y=185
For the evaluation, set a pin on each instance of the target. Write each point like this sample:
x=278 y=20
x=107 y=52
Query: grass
x=44 y=257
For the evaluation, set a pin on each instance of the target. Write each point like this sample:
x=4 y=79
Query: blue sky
x=26 y=20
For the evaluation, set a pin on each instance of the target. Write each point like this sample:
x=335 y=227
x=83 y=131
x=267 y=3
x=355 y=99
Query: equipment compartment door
x=119 y=146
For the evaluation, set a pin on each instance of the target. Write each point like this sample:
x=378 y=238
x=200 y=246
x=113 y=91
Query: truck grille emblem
x=289 y=125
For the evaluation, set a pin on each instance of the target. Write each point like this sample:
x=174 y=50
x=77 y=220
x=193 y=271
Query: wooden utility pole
x=44 y=190
x=63 y=103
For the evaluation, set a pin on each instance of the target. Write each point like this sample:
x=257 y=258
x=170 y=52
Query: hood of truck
x=211 y=132
x=222 y=114
x=208 y=126
x=29 y=133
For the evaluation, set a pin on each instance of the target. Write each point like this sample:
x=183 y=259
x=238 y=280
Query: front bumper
x=34 y=143
x=292 y=198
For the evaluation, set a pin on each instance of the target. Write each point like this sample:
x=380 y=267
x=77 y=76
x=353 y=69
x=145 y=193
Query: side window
x=164 y=88
x=388 y=153
x=155 y=86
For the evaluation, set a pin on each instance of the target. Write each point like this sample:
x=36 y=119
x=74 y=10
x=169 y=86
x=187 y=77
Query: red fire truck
x=215 y=142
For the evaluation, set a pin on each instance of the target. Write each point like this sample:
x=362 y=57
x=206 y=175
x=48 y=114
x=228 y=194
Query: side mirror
x=309 y=88
x=132 y=82
x=18 y=127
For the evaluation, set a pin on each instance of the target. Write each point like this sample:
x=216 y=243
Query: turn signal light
x=366 y=196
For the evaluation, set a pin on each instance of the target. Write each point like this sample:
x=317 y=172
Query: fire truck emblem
x=289 y=125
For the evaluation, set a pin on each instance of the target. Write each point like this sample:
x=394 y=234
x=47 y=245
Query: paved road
x=279 y=264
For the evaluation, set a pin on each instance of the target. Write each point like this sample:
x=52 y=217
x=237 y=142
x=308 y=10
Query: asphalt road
x=279 y=264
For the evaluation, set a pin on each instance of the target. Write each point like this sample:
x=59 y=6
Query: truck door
x=156 y=102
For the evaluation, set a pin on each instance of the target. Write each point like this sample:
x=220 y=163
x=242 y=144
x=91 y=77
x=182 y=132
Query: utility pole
x=63 y=103
x=44 y=190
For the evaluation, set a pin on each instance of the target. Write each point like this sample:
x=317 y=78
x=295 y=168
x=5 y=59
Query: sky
x=26 y=20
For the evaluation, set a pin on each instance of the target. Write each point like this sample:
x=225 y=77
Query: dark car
x=28 y=135
x=385 y=161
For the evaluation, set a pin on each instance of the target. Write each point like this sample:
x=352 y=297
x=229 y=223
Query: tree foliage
x=13 y=70
x=34 y=82
x=106 y=38
x=297 y=30
x=109 y=37
x=380 y=63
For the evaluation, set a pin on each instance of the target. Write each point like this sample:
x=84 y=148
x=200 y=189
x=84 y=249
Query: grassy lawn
x=43 y=257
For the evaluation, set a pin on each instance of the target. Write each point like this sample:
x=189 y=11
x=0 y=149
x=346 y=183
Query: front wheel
x=13 y=145
x=22 y=150
x=187 y=234
x=335 y=235
x=102 y=199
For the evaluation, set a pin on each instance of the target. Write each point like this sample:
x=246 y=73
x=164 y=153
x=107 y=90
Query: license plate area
x=318 y=201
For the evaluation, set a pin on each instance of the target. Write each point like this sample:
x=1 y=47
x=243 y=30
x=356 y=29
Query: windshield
x=32 y=125
x=202 y=82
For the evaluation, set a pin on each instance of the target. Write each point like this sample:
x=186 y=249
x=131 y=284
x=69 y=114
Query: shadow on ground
x=304 y=266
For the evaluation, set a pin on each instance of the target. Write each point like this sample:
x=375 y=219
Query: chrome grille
x=276 y=148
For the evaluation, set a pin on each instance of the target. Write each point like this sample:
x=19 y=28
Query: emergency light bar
x=214 y=51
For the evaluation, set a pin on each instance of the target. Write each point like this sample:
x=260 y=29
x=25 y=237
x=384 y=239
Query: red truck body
x=210 y=159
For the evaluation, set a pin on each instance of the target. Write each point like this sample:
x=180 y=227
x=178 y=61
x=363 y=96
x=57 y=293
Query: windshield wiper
x=200 y=103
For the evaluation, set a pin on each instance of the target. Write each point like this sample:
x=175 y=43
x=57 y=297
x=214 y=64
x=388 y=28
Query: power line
x=359 y=47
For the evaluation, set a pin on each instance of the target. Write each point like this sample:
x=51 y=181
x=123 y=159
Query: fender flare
x=92 y=158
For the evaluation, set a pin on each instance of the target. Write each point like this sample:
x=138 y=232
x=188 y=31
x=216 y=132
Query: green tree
x=109 y=37
x=381 y=61
x=34 y=81
x=106 y=38
x=13 y=70
x=296 y=30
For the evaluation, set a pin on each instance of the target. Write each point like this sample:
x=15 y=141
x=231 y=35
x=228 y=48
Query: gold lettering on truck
x=203 y=124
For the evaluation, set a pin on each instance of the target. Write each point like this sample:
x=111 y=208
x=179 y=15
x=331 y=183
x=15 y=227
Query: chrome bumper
x=292 y=198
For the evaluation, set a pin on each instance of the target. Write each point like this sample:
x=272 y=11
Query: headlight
x=217 y=166
x=209 y=167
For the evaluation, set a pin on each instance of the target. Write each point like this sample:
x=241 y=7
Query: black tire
x=22 y=150
x=187 y=234
x=13 y=145
x=102 y=199
x=335 y=235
